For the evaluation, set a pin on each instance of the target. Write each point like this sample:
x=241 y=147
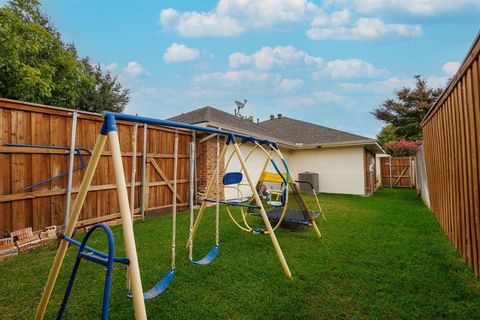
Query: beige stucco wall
x=340 y=169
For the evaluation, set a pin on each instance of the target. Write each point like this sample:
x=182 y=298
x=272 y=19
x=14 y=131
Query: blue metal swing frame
x=104 y=259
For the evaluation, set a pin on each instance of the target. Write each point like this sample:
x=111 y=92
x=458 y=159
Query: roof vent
x=272 y=117
x=279 y=116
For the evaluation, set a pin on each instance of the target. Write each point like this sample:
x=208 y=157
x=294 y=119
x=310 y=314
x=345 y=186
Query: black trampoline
x=292 y=216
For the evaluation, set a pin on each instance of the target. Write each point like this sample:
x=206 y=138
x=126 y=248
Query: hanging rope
x=192 y=193
x=212 y=254
x=174 y=199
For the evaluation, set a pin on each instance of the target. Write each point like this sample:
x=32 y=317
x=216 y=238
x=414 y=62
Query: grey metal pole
x=195 y=178
x=134 y=169
x=144 y=169
x=71 y=161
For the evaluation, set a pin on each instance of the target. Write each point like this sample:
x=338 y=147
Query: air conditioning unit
x=311 y=178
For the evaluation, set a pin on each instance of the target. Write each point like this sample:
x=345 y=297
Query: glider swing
x=280 y=209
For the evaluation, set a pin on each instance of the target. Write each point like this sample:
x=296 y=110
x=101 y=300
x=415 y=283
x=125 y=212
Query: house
x=345 y=162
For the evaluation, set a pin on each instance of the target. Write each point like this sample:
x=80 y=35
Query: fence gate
x=398 y=172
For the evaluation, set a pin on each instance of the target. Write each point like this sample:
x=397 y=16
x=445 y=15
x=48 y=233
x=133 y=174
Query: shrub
x=402 y=147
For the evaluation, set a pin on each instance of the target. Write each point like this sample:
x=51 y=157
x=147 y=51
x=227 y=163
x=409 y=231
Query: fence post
x=411 y=172
x=390 y=172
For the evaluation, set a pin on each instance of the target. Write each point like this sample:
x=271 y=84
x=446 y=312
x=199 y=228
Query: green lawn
x=380 y=257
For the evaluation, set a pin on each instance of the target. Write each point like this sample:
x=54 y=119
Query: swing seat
x=209 y=257
x=232 y=178
x=159 y=288
x=275 y=203
x=241 y=200
x=234 y=202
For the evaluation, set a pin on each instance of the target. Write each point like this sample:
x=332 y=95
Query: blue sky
x=328 y=62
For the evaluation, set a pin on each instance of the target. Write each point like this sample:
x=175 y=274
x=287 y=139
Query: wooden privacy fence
x=397 y=172
x=452 y=153
x=45 y=205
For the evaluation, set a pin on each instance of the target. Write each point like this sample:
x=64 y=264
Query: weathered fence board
x=44 y=205
x=397 y=172
x=452 y=153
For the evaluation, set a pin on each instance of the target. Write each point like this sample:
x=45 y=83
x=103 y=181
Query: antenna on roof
x=240 y=105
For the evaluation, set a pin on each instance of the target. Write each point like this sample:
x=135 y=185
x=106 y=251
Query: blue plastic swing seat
x=209 y=257
x=276 y=203
x=159 y=288
x=232 y=178
x=241 y=200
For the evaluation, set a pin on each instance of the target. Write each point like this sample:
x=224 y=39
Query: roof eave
x=245 y=132
x=366 y=142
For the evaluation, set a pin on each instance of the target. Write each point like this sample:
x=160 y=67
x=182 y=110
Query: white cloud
x=416 y=7
x=364 y=29
x=336 y=18
x=327 y=97
x=437 y=82
x=233 y=17
x=168 y=17
x=111 y=67
x=381 y=86
x=180 y=53
x=352 y=68
x=145 y=100
x=451 y=67
x=235 y=78
x=287 y=85
x=315 y=98
x=391 y=84
x=133 y=70
x=267 y=58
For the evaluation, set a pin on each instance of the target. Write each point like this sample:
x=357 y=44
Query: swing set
x=252 y=205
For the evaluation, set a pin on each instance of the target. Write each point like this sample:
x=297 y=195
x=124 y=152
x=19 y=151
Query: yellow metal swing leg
x=259 y=203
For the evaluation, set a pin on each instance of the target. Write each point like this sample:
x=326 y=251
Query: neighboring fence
x=421 y=177
x=451 y=132
x=44 y=205
x=397 y=172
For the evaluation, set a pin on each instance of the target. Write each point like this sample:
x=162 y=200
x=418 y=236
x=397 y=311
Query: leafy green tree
x=106 y=94
x=37 y=66
x=407 y=110
x=387 y=134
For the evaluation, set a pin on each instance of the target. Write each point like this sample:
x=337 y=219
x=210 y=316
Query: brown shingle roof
x=298 y=131
x=286 y=129
x=209 y=114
